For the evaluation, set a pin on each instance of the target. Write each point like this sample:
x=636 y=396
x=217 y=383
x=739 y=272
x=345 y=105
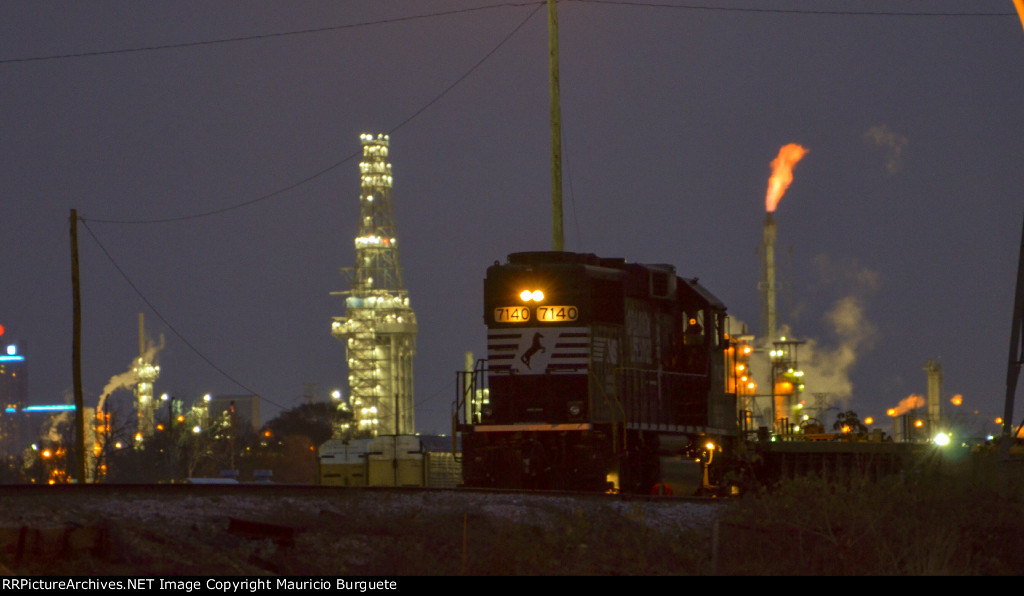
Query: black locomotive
x=598 y=373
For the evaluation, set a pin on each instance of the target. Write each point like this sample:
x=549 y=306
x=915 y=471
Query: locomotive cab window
x=694 y=329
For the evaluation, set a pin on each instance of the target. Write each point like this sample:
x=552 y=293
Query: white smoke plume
x=152 y=349
x=127 y=379
x=52 y=432
x=827 y=362
x=893 y=143
x=827 y=368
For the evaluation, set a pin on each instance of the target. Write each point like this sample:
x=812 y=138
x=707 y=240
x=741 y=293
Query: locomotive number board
x=557 y=314
x=511 y=314
x=545 y=314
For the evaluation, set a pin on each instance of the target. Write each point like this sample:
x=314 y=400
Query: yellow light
x=526 y=295
x=535 y=295
x=869 y=420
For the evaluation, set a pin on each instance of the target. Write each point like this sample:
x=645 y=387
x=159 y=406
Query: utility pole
x=556 y=129
x=1013 y=366
x=76 y=349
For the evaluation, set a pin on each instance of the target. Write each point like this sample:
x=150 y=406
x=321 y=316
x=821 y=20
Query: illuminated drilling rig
x=379 y=329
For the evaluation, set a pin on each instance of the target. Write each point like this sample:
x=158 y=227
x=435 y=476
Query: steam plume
x=827 y=370
x=127 y=379
x=894 y=143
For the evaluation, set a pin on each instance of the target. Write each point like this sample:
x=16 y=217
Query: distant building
x=13 y=397
x=246 y=407
x=13 y=375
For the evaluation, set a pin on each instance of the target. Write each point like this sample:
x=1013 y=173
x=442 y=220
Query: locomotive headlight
x=535 y=295
x=575 y=408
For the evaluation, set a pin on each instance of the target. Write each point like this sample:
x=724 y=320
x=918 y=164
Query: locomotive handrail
x=464 y=395
x=616 y=403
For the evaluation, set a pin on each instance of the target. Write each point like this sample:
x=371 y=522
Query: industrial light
x=941 y=439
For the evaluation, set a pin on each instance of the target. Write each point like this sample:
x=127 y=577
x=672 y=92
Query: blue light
x=56 y=408
x=12 y=358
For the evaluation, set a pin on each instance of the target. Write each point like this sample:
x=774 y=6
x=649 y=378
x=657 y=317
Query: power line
x=798 y=11
x=262 y=36
x=270 y=195
x=164 y=319
x=348 y=158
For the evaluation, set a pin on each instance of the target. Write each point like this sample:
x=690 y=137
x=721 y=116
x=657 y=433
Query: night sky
x=211 y=149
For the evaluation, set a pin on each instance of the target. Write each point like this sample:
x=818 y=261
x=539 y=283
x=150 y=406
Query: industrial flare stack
x=768 y=279
x=784 y=380
x=379 y=328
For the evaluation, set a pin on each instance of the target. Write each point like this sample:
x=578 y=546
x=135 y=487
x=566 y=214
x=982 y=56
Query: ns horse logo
x=535 y=347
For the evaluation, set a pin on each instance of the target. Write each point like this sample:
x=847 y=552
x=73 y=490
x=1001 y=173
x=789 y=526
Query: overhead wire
x=410 y=118
x=260 y=36
x=347 y=158
x=160 y=315
x=537 y=5
x=796 y=11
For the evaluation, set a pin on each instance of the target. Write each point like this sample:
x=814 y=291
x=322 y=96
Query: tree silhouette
x=849 y=423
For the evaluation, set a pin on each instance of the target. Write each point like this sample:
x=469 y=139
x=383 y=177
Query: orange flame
x=911 y=402
x=782 y=174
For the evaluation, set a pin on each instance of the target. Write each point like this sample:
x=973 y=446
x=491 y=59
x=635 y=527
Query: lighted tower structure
x=146 y=374
x=934 y=371
x=379 y=328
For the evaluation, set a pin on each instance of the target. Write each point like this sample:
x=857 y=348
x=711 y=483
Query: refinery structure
x=379 y=327
x=776 y=408
x=146 y=374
